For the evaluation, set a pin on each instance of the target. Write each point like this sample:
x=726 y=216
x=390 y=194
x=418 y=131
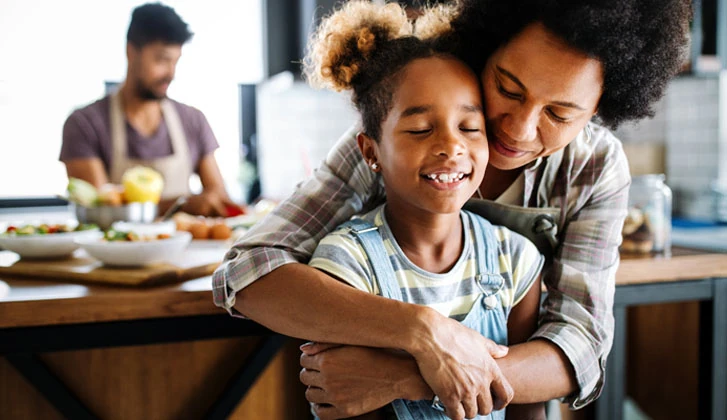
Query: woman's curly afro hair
x=640 y=43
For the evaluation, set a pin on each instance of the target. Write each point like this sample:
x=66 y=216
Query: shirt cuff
x=590 y=369
x=241 y=269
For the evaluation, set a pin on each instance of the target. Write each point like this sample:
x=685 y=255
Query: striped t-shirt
x=453 y=293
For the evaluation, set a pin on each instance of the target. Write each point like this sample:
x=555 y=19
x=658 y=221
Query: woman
x=547 y=69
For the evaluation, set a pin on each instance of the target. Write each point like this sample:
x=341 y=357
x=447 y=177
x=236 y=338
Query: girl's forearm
x=538 y=371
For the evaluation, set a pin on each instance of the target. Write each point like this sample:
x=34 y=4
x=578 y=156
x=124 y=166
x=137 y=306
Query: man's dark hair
x=640 y=43
x=153 y=22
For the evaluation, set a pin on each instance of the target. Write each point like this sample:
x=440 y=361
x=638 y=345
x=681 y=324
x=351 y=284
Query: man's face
x=152 y=68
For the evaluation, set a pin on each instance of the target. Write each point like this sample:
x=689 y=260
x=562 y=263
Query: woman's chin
x=504 y=164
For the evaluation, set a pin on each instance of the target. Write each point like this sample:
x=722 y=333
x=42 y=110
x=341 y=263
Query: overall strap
x=373 y=245
x=488 y=260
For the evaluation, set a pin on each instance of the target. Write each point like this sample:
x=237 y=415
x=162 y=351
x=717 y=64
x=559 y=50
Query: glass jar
x=647 y=227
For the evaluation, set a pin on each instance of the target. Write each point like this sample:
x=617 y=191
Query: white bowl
x=137 y=253
x=54 y=245
x=146 y=229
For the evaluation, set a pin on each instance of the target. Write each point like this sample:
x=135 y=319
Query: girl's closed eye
x=471 y=129
x=419 y=131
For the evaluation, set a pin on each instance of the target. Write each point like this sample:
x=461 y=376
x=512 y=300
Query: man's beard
x=149 y=95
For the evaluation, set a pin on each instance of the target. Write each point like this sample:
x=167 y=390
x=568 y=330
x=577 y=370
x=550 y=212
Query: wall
x=297 y=126
x=685 y=135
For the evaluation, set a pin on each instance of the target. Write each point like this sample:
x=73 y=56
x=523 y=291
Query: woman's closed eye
x=506 y=93
x=557 y=118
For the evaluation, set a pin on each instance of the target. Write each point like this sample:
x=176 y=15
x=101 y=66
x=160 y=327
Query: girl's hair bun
x=435 y=22
x=345 y=40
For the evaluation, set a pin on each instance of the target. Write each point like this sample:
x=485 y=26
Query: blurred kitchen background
x=241 y=69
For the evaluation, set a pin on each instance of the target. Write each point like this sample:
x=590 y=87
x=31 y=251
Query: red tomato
x=233 y=211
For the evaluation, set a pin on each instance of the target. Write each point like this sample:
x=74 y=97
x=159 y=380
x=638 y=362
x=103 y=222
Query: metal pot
x=105 y=216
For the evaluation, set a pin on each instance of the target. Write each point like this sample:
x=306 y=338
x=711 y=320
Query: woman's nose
x=521 y=124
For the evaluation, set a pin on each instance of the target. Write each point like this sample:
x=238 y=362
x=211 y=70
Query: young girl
x=424 y=132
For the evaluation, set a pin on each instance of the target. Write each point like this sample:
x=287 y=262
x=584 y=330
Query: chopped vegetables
x=45 y=229
x=123 y=236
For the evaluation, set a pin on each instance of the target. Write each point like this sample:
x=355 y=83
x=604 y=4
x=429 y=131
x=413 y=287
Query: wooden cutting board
x=198 y=260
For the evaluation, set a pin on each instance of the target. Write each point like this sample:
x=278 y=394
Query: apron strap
x=539 y=224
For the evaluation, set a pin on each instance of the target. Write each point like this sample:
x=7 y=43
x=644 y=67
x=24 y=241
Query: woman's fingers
x=502 y=392
x=312 y=348
x=470 y=405
x=456 y=412
x=497 y=350
x=310 y=378
x=484 y=403
x=326 y=412
x=315 y=395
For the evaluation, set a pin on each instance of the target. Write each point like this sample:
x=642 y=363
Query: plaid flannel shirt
x=588 y=181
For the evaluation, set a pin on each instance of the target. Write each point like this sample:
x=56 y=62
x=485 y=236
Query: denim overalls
x=487 y=315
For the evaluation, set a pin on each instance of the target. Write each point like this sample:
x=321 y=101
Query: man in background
x=139 y=125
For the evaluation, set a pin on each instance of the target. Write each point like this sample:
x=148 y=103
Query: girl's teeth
x=446 y=178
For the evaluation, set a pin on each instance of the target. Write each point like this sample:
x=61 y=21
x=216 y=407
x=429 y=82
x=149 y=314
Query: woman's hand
x=458 y=364
x=346 y=381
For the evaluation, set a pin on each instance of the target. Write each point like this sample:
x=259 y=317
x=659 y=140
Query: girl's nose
x=449 y=144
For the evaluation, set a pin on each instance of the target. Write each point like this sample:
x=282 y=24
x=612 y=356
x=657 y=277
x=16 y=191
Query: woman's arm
x=576 y=329
x=521 y=324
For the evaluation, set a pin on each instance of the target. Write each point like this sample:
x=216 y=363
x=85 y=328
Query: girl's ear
x=368 y=148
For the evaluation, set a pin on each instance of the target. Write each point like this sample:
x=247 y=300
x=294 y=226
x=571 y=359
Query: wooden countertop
x=676 y=268
x=33 y=302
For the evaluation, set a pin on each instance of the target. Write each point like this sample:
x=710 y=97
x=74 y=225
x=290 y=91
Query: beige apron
x=174 y=168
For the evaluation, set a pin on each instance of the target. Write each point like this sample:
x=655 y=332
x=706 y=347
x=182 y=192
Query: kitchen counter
x=117 y=353
x=670 y=344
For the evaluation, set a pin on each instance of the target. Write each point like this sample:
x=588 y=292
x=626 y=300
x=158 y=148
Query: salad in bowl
x=45 y=240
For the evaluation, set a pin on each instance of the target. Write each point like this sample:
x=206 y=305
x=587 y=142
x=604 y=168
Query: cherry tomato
x=233 y=211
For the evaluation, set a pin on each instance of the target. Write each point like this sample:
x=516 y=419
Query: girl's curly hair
x=640 y=43
x=363 y=47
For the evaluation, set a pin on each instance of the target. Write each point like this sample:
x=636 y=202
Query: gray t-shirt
x=87 y=134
